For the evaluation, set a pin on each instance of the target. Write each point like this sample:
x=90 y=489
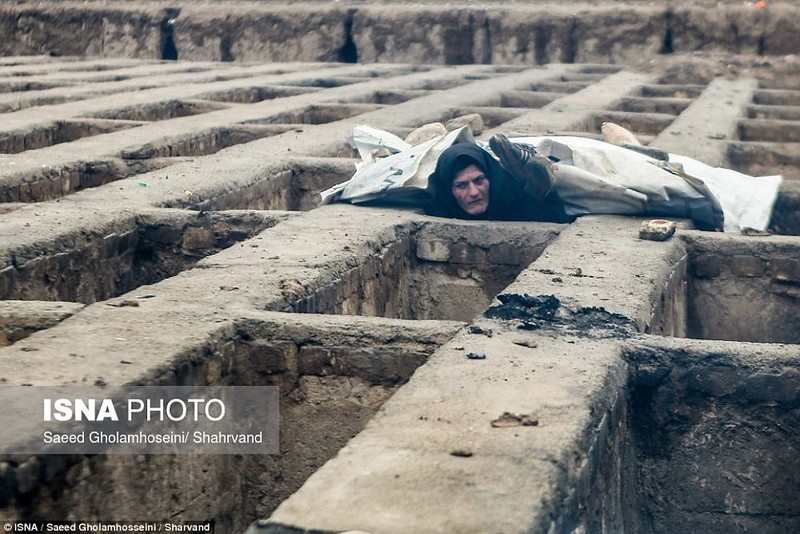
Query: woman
x=468 y=183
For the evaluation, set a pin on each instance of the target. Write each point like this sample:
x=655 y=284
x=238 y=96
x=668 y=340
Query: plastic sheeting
x=591 y=177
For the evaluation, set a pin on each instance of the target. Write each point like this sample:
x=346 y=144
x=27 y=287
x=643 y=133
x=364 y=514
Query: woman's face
x=471 y=190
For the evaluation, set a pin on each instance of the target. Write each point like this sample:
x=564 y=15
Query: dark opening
x=486 y=58
x=666 y=45
x=459 y=42
x=225 y=49
x=540 y=46
x=348 y=53
x=168 y=49
x=569 y=50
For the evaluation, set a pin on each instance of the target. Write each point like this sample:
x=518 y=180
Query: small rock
x=657 y=230
x=616 y=134
x=292 y=288
x=473 y=120
x=461 y=453
x=426 y=132
x=509 y=419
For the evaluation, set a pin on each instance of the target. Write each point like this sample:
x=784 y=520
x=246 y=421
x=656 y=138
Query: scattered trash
x=526 y=343
x=143 y=184
x=753 y=231
x=476 y=356
x=126 y=362
x=461 y=453
x=478 y=330
x=509 y=419
x=123 y=303
x=146 y=296
x=657 y=230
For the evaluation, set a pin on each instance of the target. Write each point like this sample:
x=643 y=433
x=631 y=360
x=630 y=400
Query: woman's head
x=462 y=181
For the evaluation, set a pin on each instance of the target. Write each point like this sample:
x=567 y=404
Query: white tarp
x=595 y=178
x=402 y=175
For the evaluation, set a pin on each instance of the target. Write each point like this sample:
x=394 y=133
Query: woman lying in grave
x=554 y=179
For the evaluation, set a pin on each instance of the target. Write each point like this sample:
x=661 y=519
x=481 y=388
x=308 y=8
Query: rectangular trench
x=443 y=271
x=735 y=290
x=332 y=378
x=711 y=438
x=143 y=250
x=116 y=260
x=714 y=439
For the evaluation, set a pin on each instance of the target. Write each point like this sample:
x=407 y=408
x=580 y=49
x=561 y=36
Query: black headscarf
x=507 y=200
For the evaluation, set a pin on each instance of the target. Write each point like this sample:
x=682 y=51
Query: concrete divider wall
x=520 y=34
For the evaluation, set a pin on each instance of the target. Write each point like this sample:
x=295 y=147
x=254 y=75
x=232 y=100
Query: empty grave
x=161 y=111
x=439 y=272
x=57 y=133
x=710 y=429
x=135 y=252
x=332 y=380
x=713 y=439
x=734 y=290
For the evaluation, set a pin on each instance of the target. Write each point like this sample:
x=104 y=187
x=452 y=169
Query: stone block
x=466 y=253
x=197 y=239
x=473 y=120
x=748 y=266
x=432 y=249
x=785 y=289
x=273 y=357
x=782 y=387
x=314 y=361
x=504 y=254
x=708 y=265
x=785 y=269
x=715 y=381
x=164 y=234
